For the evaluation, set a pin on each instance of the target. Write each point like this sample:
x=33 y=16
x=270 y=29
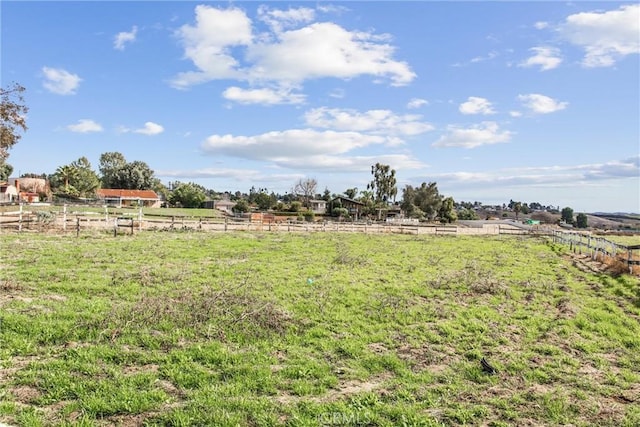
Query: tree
x=340 y=212
x=160 y=189
x=306 y=188
x=5 y=171
x=241 y=206
x=447 y=211
x=118 y=173
x=265 y=201
x=110 y=164
x=67 y=173
x=421 y=202
x=86 y=180
x=351 y=192
x=517 y=208
x=295 y=207
x=581 y=221
x=187 y=195
x=13 y=112
x=383 y=183
x=567 y=215
x=136 y=175
x=467 y=214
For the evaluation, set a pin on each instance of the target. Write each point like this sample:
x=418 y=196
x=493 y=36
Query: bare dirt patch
x=25 y=394
x=140 y=369
x=344 y=389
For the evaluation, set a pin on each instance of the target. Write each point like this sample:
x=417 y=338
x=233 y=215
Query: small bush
x=309 y=216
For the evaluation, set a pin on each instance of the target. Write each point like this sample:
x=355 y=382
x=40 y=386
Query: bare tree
x=306 y=189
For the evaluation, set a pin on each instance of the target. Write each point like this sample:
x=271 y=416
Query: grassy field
x=627 y=240
x=304 y=330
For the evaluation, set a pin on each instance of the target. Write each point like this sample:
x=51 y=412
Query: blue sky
x=531 y=101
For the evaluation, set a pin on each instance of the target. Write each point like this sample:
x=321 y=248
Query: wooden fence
x=599 y=248
x=71 y=221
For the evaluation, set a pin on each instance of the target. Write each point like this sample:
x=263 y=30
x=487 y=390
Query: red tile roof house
x=120 y=198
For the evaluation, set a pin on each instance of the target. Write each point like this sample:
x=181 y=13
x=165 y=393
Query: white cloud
x=417 y=103
x=541 y=25
x=546 y=57
x=326 y=50
x=240 y=175
x=605 y=36
x=284 y=57
x=515 y=113
x=337 y=93
x=476 y=105
x=373 y=121
x=124 y=37
x=264 y=96
x=546 y=176
x=341 y=164
x=485 y=133
x=207 y=44
x=491 y=55
x=280 y=19
x=308 y=148
x=60 y=81
x=85 y=126
x=296 y=143
x=541 y=104
x=150 y=128
x=627 y=168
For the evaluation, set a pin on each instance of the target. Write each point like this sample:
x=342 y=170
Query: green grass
x=97 y=210
x=627 y=240
x=311 y=329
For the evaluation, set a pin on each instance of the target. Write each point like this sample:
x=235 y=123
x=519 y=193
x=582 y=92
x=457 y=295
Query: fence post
x=139 y=219
x=77 y=226
x=225 y=223
x=115 y=227
x=20 y=218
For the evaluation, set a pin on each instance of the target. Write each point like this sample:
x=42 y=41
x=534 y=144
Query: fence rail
x=597 y=247
x=135 y=220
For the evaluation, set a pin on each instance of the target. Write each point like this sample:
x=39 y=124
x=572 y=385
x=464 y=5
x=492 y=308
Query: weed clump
x=9 y=285
x=207 y=312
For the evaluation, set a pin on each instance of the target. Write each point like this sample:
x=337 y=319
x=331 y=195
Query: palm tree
x=67 y=173
x=517 y=208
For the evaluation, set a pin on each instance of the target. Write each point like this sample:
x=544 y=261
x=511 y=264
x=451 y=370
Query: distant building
x=353 y=206
x=318 y=206
x=123 y=198
x=224 y=205
x=8 y=193
x=28 y=190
